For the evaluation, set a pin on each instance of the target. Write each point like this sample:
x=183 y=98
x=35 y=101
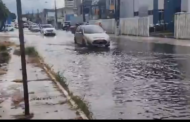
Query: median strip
x=79 y=104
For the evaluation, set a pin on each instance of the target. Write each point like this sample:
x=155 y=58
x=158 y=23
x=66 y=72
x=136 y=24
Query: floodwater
x=131 y=80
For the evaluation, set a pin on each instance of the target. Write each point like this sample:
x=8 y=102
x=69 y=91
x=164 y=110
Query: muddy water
x=131 y=80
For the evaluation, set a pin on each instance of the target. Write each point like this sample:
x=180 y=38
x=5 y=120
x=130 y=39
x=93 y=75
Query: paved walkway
x=154 y=40
x=46 y=102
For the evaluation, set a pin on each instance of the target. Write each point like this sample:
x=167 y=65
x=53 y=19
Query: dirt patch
x=7 y=43
x=18 y=81
x=2 y=72
x=17 y=52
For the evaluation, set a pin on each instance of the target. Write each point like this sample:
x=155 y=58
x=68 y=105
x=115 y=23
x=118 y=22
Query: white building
x=139 y=8
x=72 y=6
x=185 y=5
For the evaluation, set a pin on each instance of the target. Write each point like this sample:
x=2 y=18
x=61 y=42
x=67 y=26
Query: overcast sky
x=29 y=5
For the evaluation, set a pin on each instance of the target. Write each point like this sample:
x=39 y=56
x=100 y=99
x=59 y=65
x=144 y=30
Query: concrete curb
x=81 y=113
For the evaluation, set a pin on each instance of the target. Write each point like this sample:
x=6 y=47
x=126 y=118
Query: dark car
x=66 y=26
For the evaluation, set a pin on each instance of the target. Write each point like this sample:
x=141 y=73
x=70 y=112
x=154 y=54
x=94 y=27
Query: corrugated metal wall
x=137 y=26
x=182 y=26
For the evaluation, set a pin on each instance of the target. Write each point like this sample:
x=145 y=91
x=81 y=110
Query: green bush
x=31 y=51
x=4 y=57
x=82 y=105
x=3 y=48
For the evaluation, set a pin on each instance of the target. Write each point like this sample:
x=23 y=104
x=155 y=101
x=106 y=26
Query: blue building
x=166 y=15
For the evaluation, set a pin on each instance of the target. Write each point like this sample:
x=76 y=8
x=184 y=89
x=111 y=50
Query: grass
x=82 y=105
x=31 y=52
x=62 y=81
x=3 y=48
x=4 y=54
x=4 y=57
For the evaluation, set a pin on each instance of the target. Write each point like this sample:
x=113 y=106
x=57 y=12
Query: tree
x=4 y=13
x=13 y=16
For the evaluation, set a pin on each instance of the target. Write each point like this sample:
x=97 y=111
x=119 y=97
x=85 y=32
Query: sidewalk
x=153 y=40
x=46 y=101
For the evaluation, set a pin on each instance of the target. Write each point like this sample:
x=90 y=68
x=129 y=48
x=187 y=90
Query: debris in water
x=23 y=117
x=18 y=81
x=2 y=72
x=31 y=92
x=62 y=102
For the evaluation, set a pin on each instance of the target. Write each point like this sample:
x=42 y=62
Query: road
x=131 y=80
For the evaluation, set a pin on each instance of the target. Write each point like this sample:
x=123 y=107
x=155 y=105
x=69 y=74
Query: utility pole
x=117 y=15
x=23 y=59
x=117 y=11
x=83 y=12
x=55 y=13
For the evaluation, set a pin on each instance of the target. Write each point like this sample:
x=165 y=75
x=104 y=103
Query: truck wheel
x=75 y=40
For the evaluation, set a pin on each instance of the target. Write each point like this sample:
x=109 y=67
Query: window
x=150 y=12
x=161 y=16
x=136 y=13
x=178 y=9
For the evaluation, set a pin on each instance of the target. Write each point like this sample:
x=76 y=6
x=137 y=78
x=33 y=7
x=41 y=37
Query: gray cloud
x=33 y=5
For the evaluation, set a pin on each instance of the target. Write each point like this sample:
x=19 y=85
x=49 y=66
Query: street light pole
x=55 y=12
x=83 y=12
x=23 y=60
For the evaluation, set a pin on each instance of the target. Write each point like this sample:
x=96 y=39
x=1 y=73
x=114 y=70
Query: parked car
x=35 y=28
x=91 y=35
x=9 y=27
x=31 y=26
x=25 y=25
x=48 y=29
x=66 y=25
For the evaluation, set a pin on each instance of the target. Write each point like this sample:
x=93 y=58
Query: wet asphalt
x=131 y=80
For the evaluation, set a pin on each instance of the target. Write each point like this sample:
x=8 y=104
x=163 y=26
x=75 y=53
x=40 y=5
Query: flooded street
x=131 y=80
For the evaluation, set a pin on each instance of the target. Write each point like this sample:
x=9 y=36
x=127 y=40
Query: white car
x=91 y=35
x=9 y=27
x=48 y=29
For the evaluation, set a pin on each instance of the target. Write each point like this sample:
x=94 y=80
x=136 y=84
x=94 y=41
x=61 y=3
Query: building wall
x=126 y=8
x=185 y=5
x=160 y=4
x=69 y=4
x=77 y=5
x=142 y=7
x=170 y=8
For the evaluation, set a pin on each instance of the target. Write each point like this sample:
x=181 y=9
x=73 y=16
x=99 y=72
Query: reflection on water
x=131 y=80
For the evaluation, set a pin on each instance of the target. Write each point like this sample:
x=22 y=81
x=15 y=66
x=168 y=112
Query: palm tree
x=4 y=13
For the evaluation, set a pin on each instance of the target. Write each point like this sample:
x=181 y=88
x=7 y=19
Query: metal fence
x=107 y=24
x=137 y=26
x=182 y=26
